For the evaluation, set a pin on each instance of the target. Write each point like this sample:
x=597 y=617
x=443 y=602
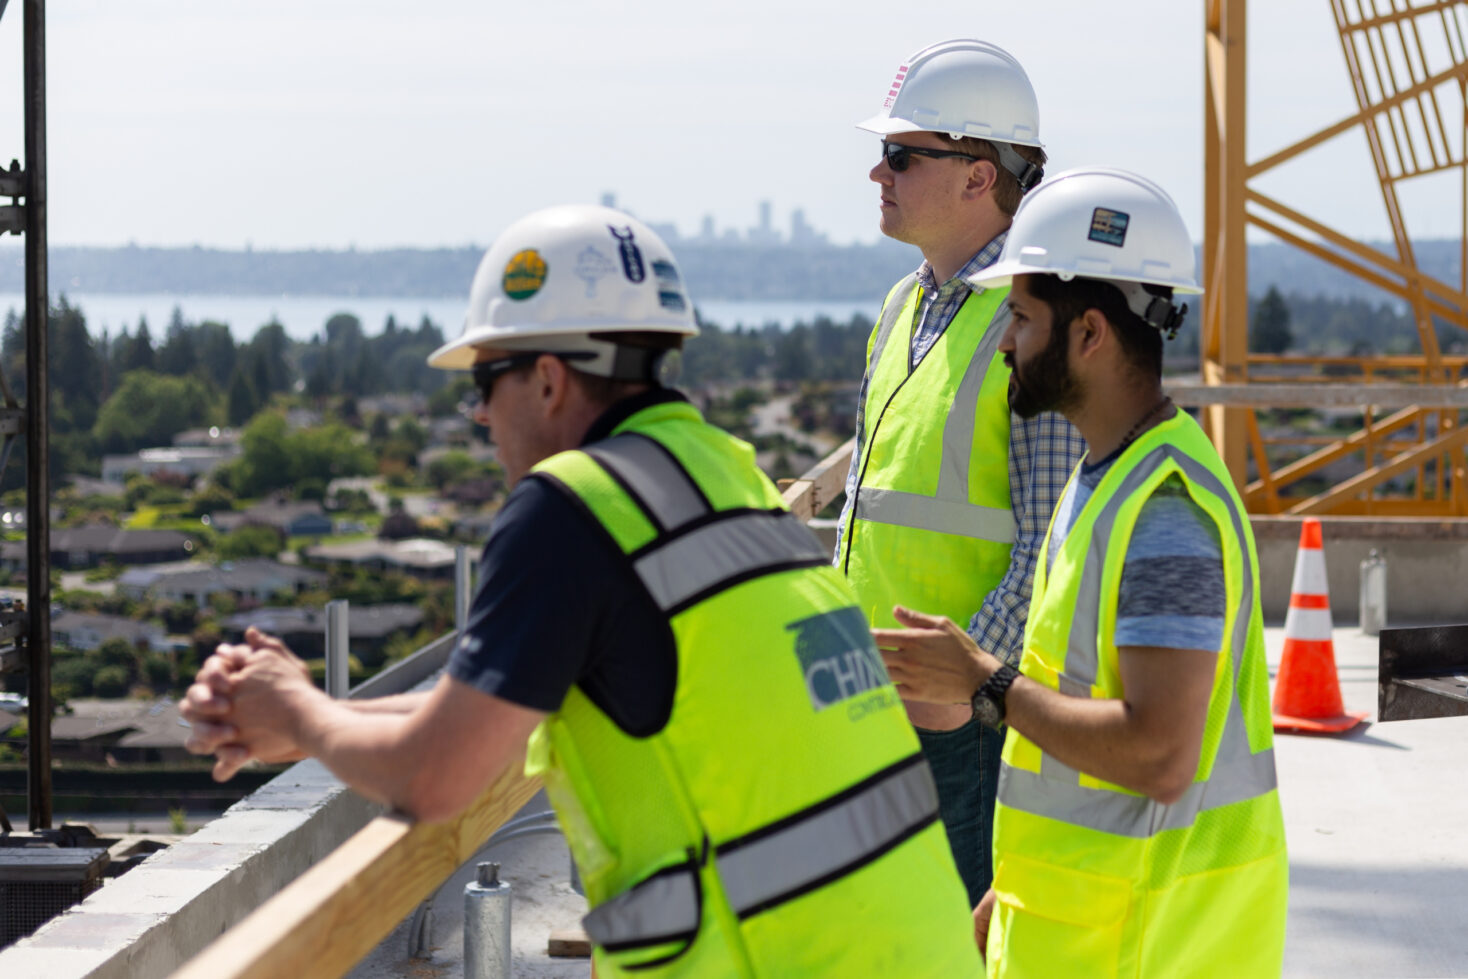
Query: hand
x=933 y=661
x=211 y=704
x=983 y=914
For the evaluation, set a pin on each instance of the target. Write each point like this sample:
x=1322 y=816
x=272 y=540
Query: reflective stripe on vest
x=948 y=510
x=779 y=862
x=1237 y=774
x=699 y=551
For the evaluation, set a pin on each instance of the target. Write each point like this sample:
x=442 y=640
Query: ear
x=1090 y=333
x=553 y=381
x=982 y=176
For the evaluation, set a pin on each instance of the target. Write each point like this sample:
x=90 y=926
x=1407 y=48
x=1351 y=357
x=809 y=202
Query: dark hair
x=1068 y=301
x=1006 y=188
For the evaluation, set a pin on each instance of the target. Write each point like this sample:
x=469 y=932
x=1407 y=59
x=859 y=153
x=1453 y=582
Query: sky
x=377 y=123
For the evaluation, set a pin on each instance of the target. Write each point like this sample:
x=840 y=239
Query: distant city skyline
x=764 y=232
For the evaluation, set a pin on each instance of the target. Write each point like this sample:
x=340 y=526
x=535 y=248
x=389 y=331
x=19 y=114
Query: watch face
x=987 y=712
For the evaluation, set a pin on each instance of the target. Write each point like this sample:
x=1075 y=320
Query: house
x=254 y=580
x=86 y=631
x=211 y=437
x=120 y=731
x=420 y=557
x=369 y=627
x=86 y=547
x=178 y=461
x=293 y=519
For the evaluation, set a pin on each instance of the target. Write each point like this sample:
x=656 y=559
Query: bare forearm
x=398 y=703
x=371 y=750
x=1099 y=737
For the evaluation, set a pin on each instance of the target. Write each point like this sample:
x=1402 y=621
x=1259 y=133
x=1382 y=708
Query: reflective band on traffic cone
x=1307 y=694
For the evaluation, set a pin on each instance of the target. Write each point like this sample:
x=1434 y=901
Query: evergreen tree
x=242 y=402
x=140 y=351
x=1269 y=330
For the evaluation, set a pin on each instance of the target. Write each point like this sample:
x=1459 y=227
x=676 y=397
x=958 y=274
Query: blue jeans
x=965 y=764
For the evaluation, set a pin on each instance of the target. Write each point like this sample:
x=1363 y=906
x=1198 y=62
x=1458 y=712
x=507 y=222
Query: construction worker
x=949 y=496
x=730 y=764
x=1138 y=829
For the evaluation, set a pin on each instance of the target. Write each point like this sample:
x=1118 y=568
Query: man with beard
x=948 y=496
x=1138 y=829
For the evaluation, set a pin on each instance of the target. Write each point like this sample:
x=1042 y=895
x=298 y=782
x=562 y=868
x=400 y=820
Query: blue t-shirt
x=1172 y=587
x=558 y=604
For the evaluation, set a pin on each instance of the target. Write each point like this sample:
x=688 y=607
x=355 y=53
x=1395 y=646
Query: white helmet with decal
x=965 y=87
x=1102 y=223
x=557 y=276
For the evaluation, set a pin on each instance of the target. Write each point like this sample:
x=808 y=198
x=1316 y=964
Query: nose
x=1006 y=341
x=480 y=414
x=881 y=173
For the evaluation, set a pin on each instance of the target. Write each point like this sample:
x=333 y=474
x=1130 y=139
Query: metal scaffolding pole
x=38 y=397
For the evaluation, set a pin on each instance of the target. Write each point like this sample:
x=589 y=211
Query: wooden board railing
x=812 y=492
x=339 y=910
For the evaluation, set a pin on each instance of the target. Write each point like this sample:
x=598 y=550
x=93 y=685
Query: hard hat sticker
x=631 y=254
x=672 y=299
x=666 y=271
x=896 y=87
x=591 y=267
x=1108 y=226
x=524 y=274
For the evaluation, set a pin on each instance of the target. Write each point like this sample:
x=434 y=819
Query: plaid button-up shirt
x=1043 y=451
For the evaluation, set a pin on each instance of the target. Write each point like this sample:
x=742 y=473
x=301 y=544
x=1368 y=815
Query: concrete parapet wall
x=1427 y=566
x=161 y=913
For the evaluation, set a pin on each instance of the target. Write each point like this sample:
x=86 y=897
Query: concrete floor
x=1377 y=836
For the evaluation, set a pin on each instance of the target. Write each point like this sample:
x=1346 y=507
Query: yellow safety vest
x=1092 y=878
x=931 y=525
x=783 y=822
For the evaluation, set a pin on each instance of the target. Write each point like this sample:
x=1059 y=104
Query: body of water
x=304 y=316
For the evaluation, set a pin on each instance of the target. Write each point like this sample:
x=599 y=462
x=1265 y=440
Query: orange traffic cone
x=1307 y=693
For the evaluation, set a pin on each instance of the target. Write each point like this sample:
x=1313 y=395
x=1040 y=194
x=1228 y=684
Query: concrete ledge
x=161 y=913
x=1427 y=566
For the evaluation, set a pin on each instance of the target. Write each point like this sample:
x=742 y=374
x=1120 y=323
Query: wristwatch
x=988 y=700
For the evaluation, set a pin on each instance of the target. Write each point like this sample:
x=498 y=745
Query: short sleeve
x=557 y=605
x=1172 y=588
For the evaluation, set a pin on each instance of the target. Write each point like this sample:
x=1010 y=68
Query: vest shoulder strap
x=891 y=312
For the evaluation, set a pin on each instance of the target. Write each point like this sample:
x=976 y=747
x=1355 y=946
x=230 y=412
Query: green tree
x=140 y=356
x=250 y=541
x=1269 y=330
x=111 y=682
x=149 y=409
x=216 y=352
x=243 y=402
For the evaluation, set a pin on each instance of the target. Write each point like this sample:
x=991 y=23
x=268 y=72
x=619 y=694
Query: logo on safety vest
x=837 y=657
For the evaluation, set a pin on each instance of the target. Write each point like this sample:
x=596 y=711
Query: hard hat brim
x=1001 y=274
x=885 y=125
x=462 y=353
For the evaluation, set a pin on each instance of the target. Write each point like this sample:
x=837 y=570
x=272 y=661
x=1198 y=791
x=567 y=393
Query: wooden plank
x=1325 y=502
x=339 y=910
x=568 y=943
x=1385 y=395
x=810 y=494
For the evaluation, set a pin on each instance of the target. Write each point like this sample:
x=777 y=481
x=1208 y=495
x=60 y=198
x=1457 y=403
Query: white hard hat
x=965 y=87
x=556 y=276
x=1101 y=223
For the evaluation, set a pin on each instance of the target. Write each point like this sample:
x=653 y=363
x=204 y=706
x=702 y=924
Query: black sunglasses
x=899 y=156
x=489 y=371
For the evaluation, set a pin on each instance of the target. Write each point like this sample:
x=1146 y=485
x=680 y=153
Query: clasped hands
x=933 y=660
x=244 y=703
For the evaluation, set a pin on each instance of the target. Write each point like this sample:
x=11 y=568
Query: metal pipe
x=463 y=587
x=487 y=925
x=38 y=397
x=338 y=648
